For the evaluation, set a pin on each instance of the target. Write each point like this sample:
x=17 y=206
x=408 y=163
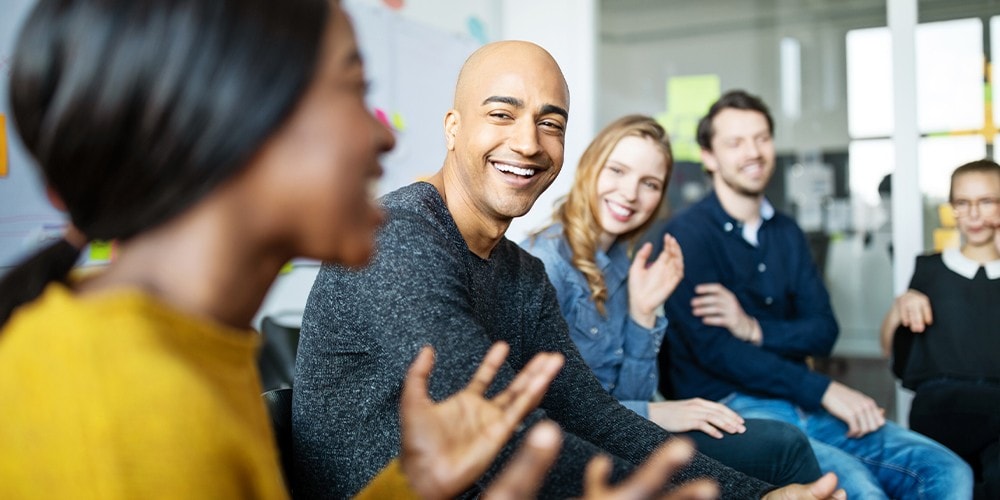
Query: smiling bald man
x=446 y=276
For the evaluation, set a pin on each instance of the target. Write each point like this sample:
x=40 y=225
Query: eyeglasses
x=985 y=206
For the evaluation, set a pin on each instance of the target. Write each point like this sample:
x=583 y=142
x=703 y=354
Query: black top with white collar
x=963 y=343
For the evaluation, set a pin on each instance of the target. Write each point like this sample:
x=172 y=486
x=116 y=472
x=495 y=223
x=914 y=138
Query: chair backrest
x=276 y=359
x=279 y=406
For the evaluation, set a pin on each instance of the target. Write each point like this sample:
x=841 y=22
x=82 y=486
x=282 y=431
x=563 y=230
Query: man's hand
x=717 y=306
x=696 y=415
x=523 y=475
x=823 y=488
x=860 y=412
x=649 y=480
x=650 y=286
x=448 y=445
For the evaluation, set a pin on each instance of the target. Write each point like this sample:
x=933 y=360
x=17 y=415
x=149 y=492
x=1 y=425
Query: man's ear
x=452 y=121
x=709 y=161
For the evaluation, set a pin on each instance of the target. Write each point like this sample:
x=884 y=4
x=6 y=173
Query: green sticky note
x=397 y=122
x=100 y=251
x=688 y=99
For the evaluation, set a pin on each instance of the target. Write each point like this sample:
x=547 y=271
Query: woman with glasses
x=944 y=332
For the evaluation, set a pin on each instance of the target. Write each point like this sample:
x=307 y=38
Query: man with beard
x=752 y=306
x=445 y=275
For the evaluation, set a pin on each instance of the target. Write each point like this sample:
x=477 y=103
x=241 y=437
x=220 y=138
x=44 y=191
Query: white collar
x=964 y=266
x=750 y=230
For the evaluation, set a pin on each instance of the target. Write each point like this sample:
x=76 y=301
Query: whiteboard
x=27 y=220
x=412 y=69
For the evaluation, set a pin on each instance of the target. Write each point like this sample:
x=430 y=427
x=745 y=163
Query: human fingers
x=487 y=370
x=527 y=389
x=522 y=476
x=725 y=419
x=658 y=469
x=677 y=257
x=826 y=487
x=415 y=385
x=853 y=425
x=707 y=427
x=702 y=489
x=707 y=288
x=671 y=250
x=641 y=258
x=595 y=477
x=925 y=309
x=873 y=419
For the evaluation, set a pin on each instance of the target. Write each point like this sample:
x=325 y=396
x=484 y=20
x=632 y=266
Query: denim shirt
x=621 y=353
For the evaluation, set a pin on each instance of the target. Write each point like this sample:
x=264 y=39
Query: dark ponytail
x=136 y=109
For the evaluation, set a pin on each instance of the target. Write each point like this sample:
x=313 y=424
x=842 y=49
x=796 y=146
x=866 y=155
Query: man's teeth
x=510 y=169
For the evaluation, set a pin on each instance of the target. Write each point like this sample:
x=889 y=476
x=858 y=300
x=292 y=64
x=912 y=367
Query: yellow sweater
x=119 y=396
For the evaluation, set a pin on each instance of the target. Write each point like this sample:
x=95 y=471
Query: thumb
x=824 y=486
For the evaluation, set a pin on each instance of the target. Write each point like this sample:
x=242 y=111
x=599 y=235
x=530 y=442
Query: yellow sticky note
x=946 y=238
x=100 y=251
x=688 y=98
x=692 y=94
x=397 y=122
x=3 y=145
x=947 y=215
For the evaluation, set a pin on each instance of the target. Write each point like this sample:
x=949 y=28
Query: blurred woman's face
x=630 y=185
x=320 y=168
x=975 y=197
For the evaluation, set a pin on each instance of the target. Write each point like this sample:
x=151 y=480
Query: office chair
x=279 y=407
x=276 y=359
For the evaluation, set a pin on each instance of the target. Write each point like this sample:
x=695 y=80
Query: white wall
x=567 y=28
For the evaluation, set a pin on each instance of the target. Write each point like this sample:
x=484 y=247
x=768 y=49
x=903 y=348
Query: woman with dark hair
x=610 y=298
x=215 y=140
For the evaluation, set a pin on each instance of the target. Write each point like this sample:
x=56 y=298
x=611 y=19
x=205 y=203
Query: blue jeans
x=891 y=462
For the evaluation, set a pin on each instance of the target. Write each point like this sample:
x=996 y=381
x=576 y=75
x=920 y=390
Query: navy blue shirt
x=775 y=281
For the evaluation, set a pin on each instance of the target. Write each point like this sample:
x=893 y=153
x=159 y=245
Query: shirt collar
x=614 y=263
x=728 y=223
x=966 y=267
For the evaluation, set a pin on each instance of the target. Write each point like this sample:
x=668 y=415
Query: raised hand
x=523 y=475
x=650 y=285
x=696 y=415
x=649 y=480
x=823 y=488
x=860 y=412
x=448 y=445
x=717 y=306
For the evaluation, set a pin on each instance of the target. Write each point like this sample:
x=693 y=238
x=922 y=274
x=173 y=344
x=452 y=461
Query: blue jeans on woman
x=891 y=462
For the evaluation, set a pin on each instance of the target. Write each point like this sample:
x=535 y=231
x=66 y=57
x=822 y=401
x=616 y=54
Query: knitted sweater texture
x=362 y=328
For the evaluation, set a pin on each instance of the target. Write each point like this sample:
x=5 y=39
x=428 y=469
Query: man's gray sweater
x=362 y=328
